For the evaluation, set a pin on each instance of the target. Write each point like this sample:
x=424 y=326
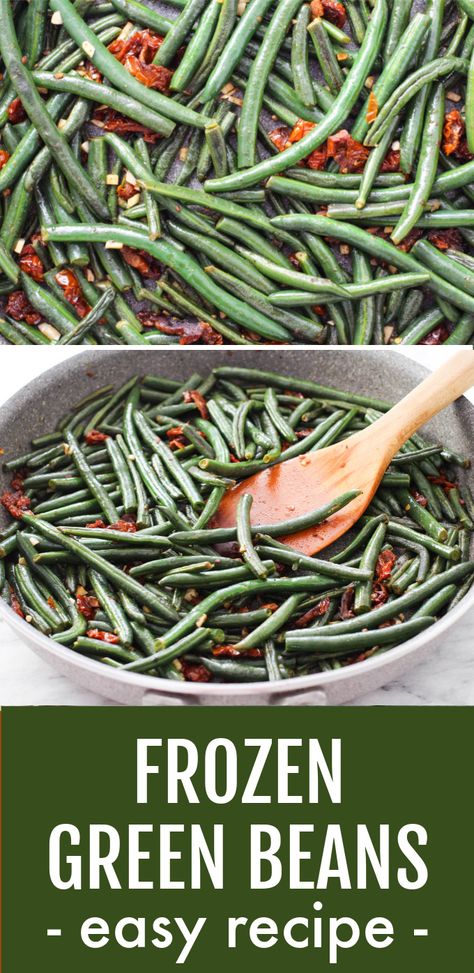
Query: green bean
x=323 y=642
x=302 y=80
x=427 y=165
x=196 y=48
x=244 y=537
x=327 y=59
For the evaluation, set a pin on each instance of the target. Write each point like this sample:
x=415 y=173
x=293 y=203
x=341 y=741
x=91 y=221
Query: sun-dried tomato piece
x=193 y=672
x=95 y=436
x=384 y=566
x=379 y=594
x=97 y=523
x=331 y=9
x=175 y=437
x=18 y=481
x=192 y=395
x=97 y=633
x=189 y=330
x=320 y=609
x=16 y=112
x=30 y=263
x=346 y=609
x=317 y=158
x=372 y=108
x=453 y=131
x=349 y=154
x=151 y=75
x=15 y=604
x=419 y=497
x=391 y=163
x=19 y=308
x=4 y=157
x=88 y=606
x=126 y=190
x=127 y=525
x=16 y=503
x=228 y=651
x=142 y=261
x=113 y=121
x=446 y=239
x=442 y=480
x=279 y=136
x=69 y=284
x=436 y=337
x=143 y=43
x=299 y=130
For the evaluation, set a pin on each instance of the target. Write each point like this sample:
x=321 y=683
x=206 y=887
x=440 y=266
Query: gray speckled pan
x=36 y=408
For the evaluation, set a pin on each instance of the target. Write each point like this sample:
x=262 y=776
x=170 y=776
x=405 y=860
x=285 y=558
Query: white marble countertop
x=25 y=680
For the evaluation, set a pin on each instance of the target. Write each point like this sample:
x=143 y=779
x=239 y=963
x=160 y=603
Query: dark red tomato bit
x=391 y=163
x=113 y=121
x=436 y=337
x=317 y=158
x=420 y=498
x=332 y=10
x=346 y=609
x=189 y=330
x=88 y=606
x=175 y=437
x=446 y=239
x=192 y=395
x=384 y=566
x=90 y=72
x=30 y=263
x=69 y=284
x=442 y=480
x=20 y=309
x=410 y=240
x=141 y=261
x=349 y=154
x=109 y=637
x=193 y=672
x=97 y=523
x=18 y=480
x=279 y=137
x=15 y=604
x=379 y=594
x=320 y=609
x=95 y=436
x=16 y=503
x=16 y=112
x=4 y=157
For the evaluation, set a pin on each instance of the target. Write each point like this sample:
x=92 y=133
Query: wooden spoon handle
x=436 y=392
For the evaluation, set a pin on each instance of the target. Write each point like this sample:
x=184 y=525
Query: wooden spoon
x=306 y=482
